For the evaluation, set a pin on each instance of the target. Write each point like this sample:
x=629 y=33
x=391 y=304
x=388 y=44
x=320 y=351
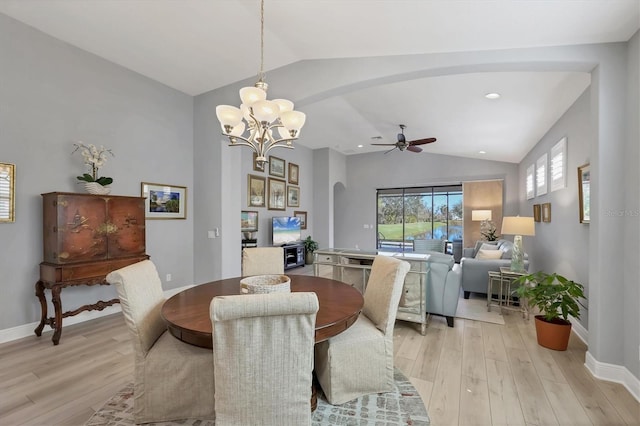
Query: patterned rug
x=402 y=406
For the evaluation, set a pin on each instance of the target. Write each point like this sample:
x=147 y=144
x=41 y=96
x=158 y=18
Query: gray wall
x=553 y=249
x=52 y=94
x=368 y=172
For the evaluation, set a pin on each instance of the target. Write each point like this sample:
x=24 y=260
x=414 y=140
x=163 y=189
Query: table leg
x=57 y=306
x=43 y=307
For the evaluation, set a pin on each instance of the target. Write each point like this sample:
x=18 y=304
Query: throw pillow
x=489 y=254
x=486 y=246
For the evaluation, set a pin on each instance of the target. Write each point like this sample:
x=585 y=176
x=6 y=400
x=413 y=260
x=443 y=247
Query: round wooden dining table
x=187 y=313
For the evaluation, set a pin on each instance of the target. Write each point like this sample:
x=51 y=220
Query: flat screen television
x=285 y=230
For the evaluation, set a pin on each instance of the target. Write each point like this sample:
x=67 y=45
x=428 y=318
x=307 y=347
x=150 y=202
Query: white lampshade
x=238 y=130
x=265 y=111
x=293 y=120
x=250 y=95
x=518 y=225
x=284 y=104
x=228 y=115
x=480 y=215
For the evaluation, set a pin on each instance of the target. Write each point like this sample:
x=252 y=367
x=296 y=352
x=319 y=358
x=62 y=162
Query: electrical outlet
x=211 y=234
x=169 y=277
x=366 y=226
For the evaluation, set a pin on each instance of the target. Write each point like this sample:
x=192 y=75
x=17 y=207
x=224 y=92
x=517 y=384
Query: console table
x=84 y=238
x=353 y=267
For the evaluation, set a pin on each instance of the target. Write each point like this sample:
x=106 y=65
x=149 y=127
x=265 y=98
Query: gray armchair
x=475 y=272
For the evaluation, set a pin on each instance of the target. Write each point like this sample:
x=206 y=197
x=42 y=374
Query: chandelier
x=259 y=123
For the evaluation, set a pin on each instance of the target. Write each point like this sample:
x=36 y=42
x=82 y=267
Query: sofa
x=475 y=269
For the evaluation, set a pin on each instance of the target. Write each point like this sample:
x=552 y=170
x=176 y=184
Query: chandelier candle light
x=518 y=226
x=259 y=123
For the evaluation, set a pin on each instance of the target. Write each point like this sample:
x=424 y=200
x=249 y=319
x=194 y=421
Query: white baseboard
x=26 y=330
x=579 y=330
x=613 y=373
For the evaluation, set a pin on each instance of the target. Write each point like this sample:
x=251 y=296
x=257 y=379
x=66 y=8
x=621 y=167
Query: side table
x=502 y=282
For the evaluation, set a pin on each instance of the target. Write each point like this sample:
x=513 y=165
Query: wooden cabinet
x=84 y=238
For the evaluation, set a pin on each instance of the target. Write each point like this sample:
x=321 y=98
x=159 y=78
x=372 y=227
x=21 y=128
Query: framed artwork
x=248 y=221
x=584 y=192
x=256 y=191
x=294 y=171
x=303 y=218
x=541 y=175
x=277 y=194
x=536 y=213
x=257 y=167
x=276 y=166
x=530 y=182
x=546 y=212
x=7 y=192
x=293 y=196
x=164 y=201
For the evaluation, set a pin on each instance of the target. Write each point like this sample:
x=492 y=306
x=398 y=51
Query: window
x=558 y=165
x=7 y=176
x=529 y=182
x=541 y=175
x=406 y=214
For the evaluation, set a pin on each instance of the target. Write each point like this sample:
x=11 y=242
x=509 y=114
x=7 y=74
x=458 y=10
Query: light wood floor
x=472 y=374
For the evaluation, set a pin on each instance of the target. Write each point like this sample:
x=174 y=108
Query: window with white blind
x=530 y=188
x=558 y=166
x=541 y=175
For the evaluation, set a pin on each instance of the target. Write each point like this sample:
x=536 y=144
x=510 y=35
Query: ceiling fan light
x=251 y=95
x=265 y=111
x=293 y=120
x=228 y=115
x=284 y=104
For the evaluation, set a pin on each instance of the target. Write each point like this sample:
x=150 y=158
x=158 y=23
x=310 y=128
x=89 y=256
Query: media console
x=293 y=255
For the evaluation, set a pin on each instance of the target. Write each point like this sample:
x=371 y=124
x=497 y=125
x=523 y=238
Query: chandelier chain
x=261 y=74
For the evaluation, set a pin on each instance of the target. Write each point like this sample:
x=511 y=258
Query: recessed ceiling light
x=492 y=95
x=360 y=146
x=482 y=152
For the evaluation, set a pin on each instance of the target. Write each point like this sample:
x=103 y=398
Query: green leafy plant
x=554 y=295
x=94 y=158
x=309 y=245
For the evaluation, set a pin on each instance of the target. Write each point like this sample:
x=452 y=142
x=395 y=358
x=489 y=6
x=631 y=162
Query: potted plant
x=309 y=247
x=94 y=158
x=556 y=297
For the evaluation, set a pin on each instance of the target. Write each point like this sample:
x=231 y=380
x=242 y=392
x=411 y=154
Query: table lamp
x=518 y=226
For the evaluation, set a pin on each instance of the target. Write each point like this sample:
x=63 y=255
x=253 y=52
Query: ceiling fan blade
x=414 y=148
x=386 y=152
x=384 y=144
x=422 y=141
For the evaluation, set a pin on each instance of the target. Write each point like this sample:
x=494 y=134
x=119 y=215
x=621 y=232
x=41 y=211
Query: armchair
x=475 y=272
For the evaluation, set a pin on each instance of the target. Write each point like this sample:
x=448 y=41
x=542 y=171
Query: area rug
x=475 y=308
x=402 y=406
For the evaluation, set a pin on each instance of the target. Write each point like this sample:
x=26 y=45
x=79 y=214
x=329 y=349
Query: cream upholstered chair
x=262 y=260
x=359 y=361
x=263 y=358
x=173 y=380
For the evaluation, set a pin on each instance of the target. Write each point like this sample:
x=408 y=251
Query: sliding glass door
x=407 y=214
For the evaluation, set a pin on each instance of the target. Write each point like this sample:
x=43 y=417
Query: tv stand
x=293 y=255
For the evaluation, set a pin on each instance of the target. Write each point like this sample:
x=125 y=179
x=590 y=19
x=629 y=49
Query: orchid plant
x=94 y=158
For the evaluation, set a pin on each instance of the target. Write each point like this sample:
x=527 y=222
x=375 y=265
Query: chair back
x=424 y=246
x=384 y=288
x=262 y=261
x=140 y=291
x=263 y=358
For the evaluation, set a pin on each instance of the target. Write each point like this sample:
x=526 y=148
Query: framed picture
x=584 y=192
x=7 y=192
x=164 y=201
x=248 y=221
x=546 y=212
x=256 y=191
x=303 y=218
x=257 y=167
x=294 y=170
x=536 y=213
x=276 y=166
x=293 y=196
x=277 y=194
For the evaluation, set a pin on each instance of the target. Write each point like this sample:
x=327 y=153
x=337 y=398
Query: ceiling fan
x=402 y=144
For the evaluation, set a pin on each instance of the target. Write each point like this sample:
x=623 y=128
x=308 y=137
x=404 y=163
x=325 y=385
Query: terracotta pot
x=553 y=335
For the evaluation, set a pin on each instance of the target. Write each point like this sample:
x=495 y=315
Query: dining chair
x=263 y=358
x=262 y=261
x=172 y=380
x=359 y=361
